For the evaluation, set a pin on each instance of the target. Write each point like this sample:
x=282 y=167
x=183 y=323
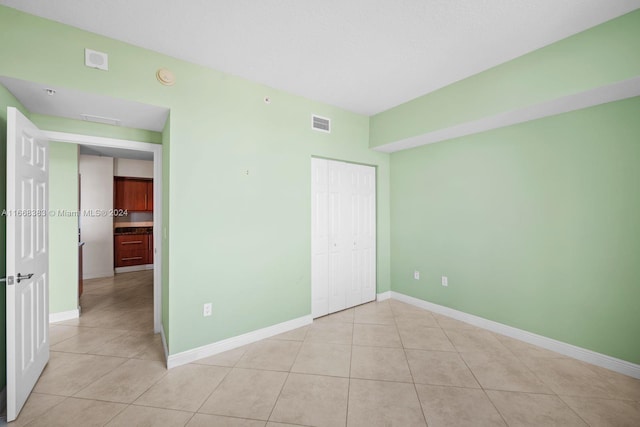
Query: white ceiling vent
x=100 y=119
x=95 y=59
x=321 y=124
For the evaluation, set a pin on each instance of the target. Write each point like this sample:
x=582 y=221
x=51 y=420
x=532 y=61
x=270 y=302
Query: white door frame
x=156 y=149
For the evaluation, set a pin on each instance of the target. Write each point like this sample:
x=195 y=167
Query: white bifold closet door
x=343 y=235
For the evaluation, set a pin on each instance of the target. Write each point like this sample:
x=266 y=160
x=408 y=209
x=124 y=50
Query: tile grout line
x=484 y=391
x=231 y=368
x=572 y=410
x=45 y=412
x=406 y=357
x=545 y=383
x=217 y=386
x=193 y=414
x=284 y=382
x=119 y=412
x=126 y=359
x=353 y=332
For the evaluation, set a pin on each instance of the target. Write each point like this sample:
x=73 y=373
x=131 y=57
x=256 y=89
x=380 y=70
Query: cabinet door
x=130 y=194
x=118 y=193
x=131 y=249
x=149 y=196
x=150 y=249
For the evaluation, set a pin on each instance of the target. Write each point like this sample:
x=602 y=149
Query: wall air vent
x=100 y=119
x=95 y=59
x=321 y=124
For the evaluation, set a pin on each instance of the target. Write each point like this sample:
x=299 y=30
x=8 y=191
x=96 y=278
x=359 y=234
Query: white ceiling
x=74 y=104
x=363 y=55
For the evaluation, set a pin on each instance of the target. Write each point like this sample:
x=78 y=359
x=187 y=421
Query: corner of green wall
x=63 y=227
x=598 y=56
x=536 y=226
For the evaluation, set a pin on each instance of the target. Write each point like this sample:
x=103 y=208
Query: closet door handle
x=133 y=242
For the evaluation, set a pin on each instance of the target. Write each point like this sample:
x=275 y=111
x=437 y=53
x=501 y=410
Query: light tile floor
x=380 y=364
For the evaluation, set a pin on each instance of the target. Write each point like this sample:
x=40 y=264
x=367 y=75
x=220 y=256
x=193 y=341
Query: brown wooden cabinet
x=150 y=249
x=133 y=249
x=133 y=194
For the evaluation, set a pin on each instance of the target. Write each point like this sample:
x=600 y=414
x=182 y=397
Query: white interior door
x=27 y=258
x=343 y=236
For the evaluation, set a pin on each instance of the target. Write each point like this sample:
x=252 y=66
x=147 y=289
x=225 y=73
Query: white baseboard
x=383 y=296
x=134 y=268
x=589 y=356
x=64 y=315
x=98 y=275
x=230 y=343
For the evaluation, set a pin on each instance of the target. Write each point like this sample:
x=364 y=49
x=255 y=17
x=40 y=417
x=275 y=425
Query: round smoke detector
x=165 y=77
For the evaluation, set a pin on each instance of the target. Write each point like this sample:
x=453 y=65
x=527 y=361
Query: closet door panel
x=338 y=264
x=343 y=236
x=354 y=289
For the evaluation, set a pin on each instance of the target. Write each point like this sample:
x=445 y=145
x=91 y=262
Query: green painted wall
x=6 y=100
x=536 y=226
x=599 y=56
x=239 y=241
x=81 y=127
x=63 y=230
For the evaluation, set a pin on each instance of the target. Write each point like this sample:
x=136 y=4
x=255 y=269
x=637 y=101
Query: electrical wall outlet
x=445 y=281
x=206 y=311
x=416 y=275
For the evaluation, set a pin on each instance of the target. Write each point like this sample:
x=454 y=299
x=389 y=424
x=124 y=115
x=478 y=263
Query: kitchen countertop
x=120 y=231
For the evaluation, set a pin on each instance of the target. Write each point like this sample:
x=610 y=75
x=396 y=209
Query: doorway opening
x=119 y=148
x=28 y=155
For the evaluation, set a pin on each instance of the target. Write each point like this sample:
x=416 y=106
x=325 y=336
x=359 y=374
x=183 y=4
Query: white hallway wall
x=96 y=231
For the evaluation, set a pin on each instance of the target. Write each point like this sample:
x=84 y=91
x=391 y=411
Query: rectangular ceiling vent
x=321 y=124
x=100 y=119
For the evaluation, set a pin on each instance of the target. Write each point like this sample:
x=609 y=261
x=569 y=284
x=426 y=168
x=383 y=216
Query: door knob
x=25 y=277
